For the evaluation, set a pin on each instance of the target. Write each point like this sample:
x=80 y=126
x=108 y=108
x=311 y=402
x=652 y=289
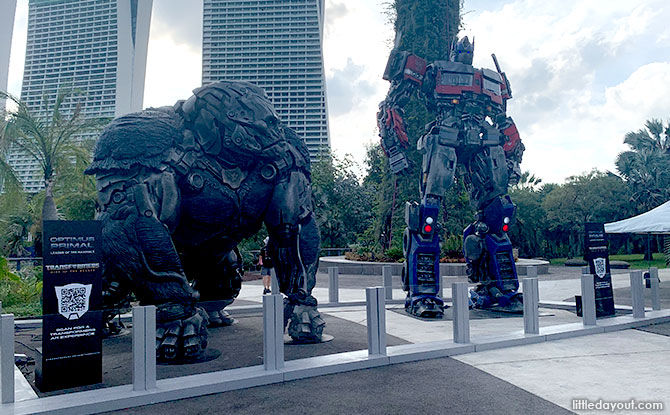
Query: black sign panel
x=597 y=255
x=72 y=306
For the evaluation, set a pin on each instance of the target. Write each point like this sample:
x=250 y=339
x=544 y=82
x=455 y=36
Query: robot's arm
x=406 y=73
x=513 y=148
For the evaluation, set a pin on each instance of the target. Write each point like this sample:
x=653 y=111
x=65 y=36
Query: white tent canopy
x=656 y=221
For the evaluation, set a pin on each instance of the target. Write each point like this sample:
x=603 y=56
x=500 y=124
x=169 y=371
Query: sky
x=583 y=73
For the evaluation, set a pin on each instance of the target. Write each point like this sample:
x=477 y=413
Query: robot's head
x=462 y=51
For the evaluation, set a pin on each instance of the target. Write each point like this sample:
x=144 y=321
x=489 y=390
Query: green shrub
x=19 y=293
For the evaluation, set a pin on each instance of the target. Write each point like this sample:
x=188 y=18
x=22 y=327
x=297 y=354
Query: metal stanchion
x=531 y=300
x=273 y=332
x=588 y=300
x=461 y=313
x=655 y=293
x=333 y=285
x=7 y=358
x=376 y=314
x=637 y=293
x=387 y=272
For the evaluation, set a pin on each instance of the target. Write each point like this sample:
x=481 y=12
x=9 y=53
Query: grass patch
x=636 y=261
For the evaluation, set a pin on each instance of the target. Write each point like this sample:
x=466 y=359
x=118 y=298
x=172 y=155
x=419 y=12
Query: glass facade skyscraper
x=277 y=45
x=98 y=47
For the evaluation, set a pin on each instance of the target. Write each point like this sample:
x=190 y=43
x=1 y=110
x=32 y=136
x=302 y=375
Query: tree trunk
x=49 y=210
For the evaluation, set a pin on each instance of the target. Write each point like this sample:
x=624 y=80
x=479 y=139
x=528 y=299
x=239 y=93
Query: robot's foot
x=305 y=323
x=220 y=318
x=183 y=338
x=426 y=307
x=511 y=302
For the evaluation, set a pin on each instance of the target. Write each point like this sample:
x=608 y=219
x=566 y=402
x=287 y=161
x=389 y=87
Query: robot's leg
x=294 y=247
x=421 y=275
x=421 y=243
x=487 y=248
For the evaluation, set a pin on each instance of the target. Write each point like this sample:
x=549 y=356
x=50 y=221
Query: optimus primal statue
x=179 y=187
x=473 y=136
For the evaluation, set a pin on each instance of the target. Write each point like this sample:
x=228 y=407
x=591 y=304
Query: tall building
x=7 y=11
x=277 y=45
x=98 y=47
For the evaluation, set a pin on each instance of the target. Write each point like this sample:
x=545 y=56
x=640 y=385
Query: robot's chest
x=455 y=80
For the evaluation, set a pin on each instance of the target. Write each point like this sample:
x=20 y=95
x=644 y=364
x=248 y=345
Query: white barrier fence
x=145 y=389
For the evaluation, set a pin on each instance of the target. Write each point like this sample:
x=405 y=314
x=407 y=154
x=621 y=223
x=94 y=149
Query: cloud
x=347 y=90
x=178 y=20
x=334 y=12
x=583 y=74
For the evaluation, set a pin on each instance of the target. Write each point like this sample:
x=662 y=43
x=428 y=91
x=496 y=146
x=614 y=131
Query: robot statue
x=179 y=187
x=472 y=136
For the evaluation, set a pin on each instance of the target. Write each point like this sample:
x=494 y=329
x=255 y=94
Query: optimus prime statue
x=473 y=136
x=179 y=187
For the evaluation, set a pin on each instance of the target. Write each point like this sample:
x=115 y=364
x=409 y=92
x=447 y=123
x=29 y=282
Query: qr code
x=73 y=300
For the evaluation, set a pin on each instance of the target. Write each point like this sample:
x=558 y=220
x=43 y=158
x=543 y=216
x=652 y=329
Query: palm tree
x=50 y=136
x=646 y=167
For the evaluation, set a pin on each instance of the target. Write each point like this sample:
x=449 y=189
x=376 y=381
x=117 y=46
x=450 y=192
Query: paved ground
x=537 y=379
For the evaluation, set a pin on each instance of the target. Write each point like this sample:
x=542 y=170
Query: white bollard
x=387 y=276
x=273 y=332
x=655 y=295
x=637 y=293
x=531 y=271
x=531 y=313
x=274 y=283
x=333 y=285
x=461 y=312
x=376 y=320
x=144 y=348
x=7 y=358
x=588 y=300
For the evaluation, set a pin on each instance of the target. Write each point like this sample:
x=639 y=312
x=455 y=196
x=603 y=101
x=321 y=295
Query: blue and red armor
x=471 y=135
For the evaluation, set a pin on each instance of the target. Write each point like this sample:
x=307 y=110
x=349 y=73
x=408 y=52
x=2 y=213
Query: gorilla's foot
x=305 y=324
x=220 y=318
x=183 y=338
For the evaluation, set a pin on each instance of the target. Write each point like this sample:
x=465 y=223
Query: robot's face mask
x=463 y=51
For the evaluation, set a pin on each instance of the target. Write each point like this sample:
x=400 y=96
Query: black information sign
x=597 y=255
x=72 y=306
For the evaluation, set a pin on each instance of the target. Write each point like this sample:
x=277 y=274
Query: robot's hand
x=392 y=127
x=397 y=160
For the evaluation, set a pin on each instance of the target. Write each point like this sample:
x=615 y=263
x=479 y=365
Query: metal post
x=461 y=313
x=531 y=314
x=7 y=358
x=655 y=296
x=637 y=293
x=139 y=348
x=150 y=347
x=273 y=332
x=588 y=300
x=333 y=285
x=274 y=284
x=531 y=272
x=387 y=272
x=376 y=319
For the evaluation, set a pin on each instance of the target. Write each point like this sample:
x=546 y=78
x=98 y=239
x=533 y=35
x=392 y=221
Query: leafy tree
x=343 y=205
x=527 y=232
x=590 y=197
x=50 y=135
